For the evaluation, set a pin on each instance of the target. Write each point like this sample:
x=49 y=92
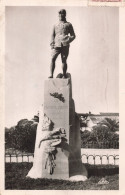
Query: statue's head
x=62 y=15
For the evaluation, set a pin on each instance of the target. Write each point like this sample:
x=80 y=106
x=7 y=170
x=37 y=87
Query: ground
x=15 y=178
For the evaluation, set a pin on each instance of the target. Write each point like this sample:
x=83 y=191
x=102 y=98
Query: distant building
x=89 y=120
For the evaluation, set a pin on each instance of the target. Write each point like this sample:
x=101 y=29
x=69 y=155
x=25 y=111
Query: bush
x=23 y=137
x=103 y=134
x=99 y=137
x=85 y=137
x=8 y=133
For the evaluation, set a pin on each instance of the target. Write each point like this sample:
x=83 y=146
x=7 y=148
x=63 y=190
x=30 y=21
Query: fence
x=100 y=159
x=101 y=145
x=89 y=159
x=19 y=157
x=98 y=156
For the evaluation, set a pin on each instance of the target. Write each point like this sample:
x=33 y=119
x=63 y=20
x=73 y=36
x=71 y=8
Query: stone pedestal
x=60 y=110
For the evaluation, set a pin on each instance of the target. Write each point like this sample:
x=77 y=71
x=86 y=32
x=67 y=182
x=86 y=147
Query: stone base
x=78 y=178
x=58 y=112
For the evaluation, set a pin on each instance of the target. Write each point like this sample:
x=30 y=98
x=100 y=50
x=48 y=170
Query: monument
x=57 y=152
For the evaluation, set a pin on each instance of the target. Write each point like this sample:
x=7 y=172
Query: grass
x=15 y=179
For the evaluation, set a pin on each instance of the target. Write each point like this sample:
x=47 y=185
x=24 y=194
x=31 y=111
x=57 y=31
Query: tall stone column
x=58 y=144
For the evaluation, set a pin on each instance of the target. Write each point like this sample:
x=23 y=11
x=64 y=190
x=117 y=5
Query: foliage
x=23 y=137
x=104 y=132
x=85 y=137
x=83 y=121
x=111 y=124
x=8 y=133
x=101 y=134
x=15 y=179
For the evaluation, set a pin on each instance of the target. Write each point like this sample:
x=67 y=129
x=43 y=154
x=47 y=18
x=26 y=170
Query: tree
x=85 y=137
x=8 y=133
x=23 y=137
x=111 y=124
x=101 y=134
x=83 y=120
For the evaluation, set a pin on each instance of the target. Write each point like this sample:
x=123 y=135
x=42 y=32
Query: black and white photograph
x=61 y=126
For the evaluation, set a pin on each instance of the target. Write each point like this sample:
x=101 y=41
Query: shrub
x=23 y=137
x=100 y=136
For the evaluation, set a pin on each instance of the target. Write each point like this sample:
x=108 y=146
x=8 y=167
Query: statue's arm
x=52 y=43
x=72 y=34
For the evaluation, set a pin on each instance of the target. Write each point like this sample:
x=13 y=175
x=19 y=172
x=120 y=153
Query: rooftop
x=101 y=114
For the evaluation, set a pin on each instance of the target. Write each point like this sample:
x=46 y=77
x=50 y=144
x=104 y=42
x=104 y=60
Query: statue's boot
x=50 y=77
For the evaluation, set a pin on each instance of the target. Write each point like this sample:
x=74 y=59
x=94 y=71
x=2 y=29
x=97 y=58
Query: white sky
x=93 y=59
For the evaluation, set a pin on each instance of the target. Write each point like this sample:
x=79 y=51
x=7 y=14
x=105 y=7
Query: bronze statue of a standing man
x=62 y=35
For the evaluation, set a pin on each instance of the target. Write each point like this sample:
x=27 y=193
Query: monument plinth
x=58 y=145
